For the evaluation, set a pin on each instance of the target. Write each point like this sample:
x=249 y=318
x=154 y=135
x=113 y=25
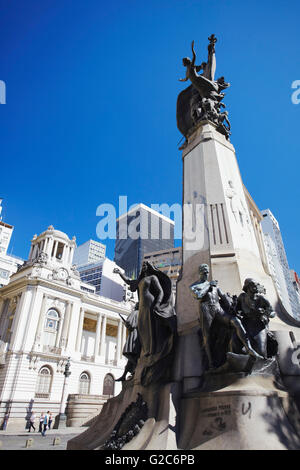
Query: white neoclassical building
x=47 y=315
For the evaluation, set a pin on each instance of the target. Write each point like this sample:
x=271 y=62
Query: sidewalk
x=16 y=440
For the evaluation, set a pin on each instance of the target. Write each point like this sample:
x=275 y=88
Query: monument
x=222 y=364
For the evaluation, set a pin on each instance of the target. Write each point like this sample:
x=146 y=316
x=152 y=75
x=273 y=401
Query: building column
x=65 y=327
x=16 y=331
x=60 y=327
x=39 y=331
x=97 y=338
x=55 y=248
x=124 y=330
x=49 y=247
x=119 y=342
x=79 y=331
x=30 y=252
x=103 y=336
x=3 y=317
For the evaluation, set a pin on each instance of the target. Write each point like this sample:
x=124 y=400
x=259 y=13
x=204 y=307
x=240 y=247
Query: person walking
x=50 y=420
x=31 y=422
x=45 y=423
x=5 y=421
x=41 y=421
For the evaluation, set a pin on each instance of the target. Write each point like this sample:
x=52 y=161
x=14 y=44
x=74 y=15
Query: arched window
x=52 y=320
x=51 y=327
x=84 y=383
x=43 y=386
x=108 y=385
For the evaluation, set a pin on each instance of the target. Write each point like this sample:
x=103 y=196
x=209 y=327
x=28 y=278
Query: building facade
x=47 y=315
x=8 y=263
x=141 y=230
x=278 y=265
x=101 y=275
x=89 y=252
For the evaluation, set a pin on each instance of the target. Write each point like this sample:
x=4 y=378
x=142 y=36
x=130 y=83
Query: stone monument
x=223 y=364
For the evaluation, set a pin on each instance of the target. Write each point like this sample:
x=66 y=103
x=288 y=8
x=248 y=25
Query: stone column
x=55 y=248
x=97 y=337
x=30 y=252
x=60 y=327
x=3 y=317
x=79 y=331
x=124 y=330
x=39 y=331
x=17 y=331
x=65 y=327
x=49 y=247
x=119 y=342
x=103 y=336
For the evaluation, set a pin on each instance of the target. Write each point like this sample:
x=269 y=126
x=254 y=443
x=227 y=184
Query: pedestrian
x=50 y=420
x=45 y=423
x=5 y=421
x=31 y=422
x=41 y=421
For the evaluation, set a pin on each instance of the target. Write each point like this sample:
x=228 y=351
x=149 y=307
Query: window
x=108 y=385
x=51 y=327
x=44 y=382
x=52 y=320
x=60 y=250
x=84 y=383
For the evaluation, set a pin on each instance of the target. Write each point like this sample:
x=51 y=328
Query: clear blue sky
x=91 y=106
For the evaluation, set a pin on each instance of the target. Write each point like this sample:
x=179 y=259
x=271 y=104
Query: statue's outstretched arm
x=130 y=282
x=194 y=54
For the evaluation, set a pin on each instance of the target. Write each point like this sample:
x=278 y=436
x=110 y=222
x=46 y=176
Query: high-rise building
x=278 y=264
x=89 y=252
x=101 y=275
x=141 y=230
x=8 y=262
x=168 y=261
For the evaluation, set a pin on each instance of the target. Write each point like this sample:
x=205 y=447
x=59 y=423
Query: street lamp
x=62 y=417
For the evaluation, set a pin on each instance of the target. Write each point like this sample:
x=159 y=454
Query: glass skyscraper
x=141 y=230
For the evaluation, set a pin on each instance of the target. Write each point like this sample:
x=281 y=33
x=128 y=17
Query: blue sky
x=91 y=106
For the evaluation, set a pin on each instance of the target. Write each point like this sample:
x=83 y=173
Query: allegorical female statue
x=132 y=346
x=156 y=324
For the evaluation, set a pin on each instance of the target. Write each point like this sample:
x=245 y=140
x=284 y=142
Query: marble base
x=158 y=432
x=250 y=414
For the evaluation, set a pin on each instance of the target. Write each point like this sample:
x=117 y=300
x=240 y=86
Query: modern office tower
x=141 y=230
x=278 y=264
x=8 y=263
x=168 y=261
x=101 y=276
x=89 y=252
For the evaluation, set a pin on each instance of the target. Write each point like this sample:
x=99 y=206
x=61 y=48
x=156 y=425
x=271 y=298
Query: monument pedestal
x=250 y=414
x=217 y=225
x=157 y=432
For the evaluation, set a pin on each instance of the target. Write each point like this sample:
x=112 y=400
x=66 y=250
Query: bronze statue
x=156 y=324
x=132 y=347
x=202 y=101
x=255 y=312
x=216 y=307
